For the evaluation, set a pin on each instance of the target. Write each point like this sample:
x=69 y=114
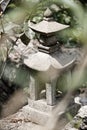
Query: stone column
x=33 y=88
x=69 y=77
x=51 y=92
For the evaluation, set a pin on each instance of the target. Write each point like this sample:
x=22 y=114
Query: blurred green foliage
x=72 y=12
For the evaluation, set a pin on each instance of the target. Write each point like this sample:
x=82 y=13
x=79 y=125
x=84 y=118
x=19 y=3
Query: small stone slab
x=36 y=116
x=40 y=105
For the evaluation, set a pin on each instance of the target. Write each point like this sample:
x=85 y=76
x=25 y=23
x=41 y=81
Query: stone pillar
x=51 y=92
x=33 y=88
x=69 y=77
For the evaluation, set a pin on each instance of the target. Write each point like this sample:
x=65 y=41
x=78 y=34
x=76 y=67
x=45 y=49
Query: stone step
x=40 y=105
x=36 y=116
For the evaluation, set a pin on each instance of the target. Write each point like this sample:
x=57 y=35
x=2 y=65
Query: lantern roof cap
x=48 y=13
x=47 y=25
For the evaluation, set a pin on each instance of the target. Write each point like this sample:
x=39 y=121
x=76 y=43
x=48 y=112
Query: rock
x=80 y=120
x=83 y=112
x=18 y=121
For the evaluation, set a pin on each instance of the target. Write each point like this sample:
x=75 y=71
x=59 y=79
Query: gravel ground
x=18 y=121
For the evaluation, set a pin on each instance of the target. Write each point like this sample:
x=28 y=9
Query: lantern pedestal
x=38 y=111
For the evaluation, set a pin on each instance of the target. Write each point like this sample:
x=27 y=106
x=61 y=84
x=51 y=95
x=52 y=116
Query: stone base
x=38 y=111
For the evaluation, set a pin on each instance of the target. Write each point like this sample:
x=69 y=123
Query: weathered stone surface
x=19 y=121
x=7 y=125
x=49 y=27
x=36 y=116
x=35 y=61
x=40 y=105
x=51 y=93
x=78 y=122
x=47 y=13
x=83 y=112
x=38 y=111
x=34 y=88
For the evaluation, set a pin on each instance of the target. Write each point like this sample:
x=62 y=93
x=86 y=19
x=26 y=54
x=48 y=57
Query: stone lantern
x=47 y=63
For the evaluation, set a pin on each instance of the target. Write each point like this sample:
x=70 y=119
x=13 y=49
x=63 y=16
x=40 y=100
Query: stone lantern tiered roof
x=47 y=29
x=48 y=54
x=48 y=25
